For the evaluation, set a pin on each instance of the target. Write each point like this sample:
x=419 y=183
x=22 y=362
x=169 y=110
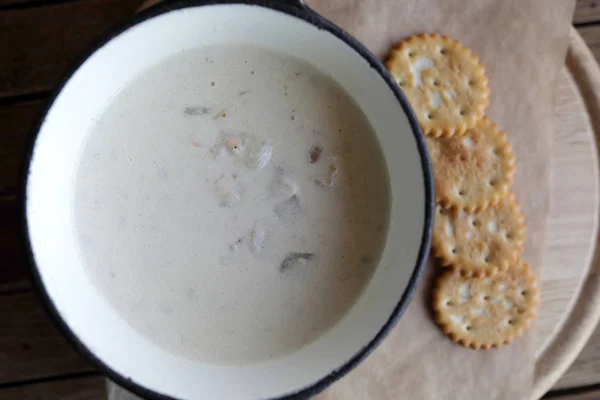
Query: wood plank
x=13 y=268
x=13 y=3
x=30 y=345
x=14 y=286
x=27 y=3
x=586 y=11
x=88 y=388
x=38 y=44
x=593 y=394
x=16 y=121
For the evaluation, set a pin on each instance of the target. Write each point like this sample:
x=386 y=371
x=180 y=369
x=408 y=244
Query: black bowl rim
x=295 y=8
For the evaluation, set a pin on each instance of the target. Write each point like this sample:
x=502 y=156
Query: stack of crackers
x=484 y=295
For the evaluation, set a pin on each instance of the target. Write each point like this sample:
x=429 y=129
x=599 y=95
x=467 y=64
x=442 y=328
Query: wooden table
x=38 y=40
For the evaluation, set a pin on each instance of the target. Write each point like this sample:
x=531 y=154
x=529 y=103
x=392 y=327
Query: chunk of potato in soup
x=231 y=204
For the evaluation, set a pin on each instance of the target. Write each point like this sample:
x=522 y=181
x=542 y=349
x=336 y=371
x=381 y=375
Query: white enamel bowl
x=156 y=34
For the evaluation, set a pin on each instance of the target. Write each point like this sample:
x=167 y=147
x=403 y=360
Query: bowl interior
x=49 y=202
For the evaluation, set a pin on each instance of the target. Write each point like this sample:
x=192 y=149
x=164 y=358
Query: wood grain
x=89 y=388
x=570 y=238
x=576 y=330
x=591 y=36
x=16 y=121
x=39 y=44
x=31 y=346
x=587 y=11
x=12 y=268
x=586 y=368
x=8 y=4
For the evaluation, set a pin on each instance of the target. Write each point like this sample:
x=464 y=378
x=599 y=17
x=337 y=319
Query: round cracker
x=443 y=80
x=479 y=240
x=483 y=310
x=472 y=171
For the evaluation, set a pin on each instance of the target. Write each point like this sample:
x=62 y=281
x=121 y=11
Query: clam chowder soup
x=231 y=204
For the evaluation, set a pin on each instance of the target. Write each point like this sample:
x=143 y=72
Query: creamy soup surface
x=231 y=204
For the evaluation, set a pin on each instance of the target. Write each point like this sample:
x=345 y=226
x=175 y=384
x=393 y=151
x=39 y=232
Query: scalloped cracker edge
x=483 y=310
x=480 y=240
x=443 y=81
x=474 y=171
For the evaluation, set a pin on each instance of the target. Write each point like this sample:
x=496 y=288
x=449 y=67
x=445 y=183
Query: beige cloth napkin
x=523 y=44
